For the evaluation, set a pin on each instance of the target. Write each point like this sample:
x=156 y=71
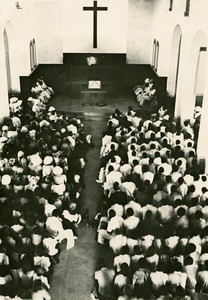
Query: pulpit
x=82 y=74
x=94 y=94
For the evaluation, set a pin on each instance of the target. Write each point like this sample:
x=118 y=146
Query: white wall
x=48 y=31
x=78 y=27
x=165 y=21
x=140 y=17
x=4 y=110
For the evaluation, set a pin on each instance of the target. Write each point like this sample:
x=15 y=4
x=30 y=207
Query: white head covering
x=24 y=129
x=35 y=160
x=6 y=179
x=13 y=100
x=51 y=108
x=20 y=154
x=48 y=160
x=57 y=170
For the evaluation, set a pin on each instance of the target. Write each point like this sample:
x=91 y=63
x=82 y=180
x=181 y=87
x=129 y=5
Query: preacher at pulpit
x=91 y=60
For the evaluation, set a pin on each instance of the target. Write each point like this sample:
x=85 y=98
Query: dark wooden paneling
x=108 y=75
x=53 y=75
x=114 y=77
x=131 y=75
x=103 y=59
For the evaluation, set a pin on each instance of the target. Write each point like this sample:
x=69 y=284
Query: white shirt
x=49 y=208
x=178 y=279
x=120 y=259
x=41 y=295
x=167 y=169
x=131 y=222
x=71 y=217
x=72 y=129
x=115 y=223
x=148 y=176
x=117 y=242
x=166 y=212
x=131 y=243
x=172 y=241
x=42 y=261
x=108 y=148
x=125 y=170
x=128 y=188
x=54 y=225
x=120 y=280
x=158 y=279
x=135 y=121
x=101 y=277
x=188 y=179
x=113 y=177
x=203 y=275
x=4 y=259
x=146 y=241
x=50 y=244
x=58 y=189
x=135 y=206
x=118 y=208
x=147 y=207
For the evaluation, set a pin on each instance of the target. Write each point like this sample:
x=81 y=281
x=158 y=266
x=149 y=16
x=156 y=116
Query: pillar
x=202 y=148
x=4 y=101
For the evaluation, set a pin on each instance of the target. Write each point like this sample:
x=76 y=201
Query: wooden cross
x=95 y=9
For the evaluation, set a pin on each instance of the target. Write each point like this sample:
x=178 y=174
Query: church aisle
x=73 y=276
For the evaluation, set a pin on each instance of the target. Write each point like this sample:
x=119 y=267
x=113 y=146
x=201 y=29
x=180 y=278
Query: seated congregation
x=146 y=93
x=42 y=159
x=155 y=210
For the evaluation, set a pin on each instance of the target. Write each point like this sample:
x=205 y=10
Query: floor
x=73 y=276
x=66 y=103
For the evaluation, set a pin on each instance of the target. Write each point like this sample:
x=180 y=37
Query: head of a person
x=193 y=202
x=161 y=170
x=116 y=186
x=149 y=215
x=180 y=180
x=111 y=213
x=188 y=260
x=132 y=147
x=181 y=212
x=144 y=155
x=145 y=168
x=56 y=213
x=110 y=168
x=173 y=189
x=157 y=154
x=204 y=190
x=137 y=250
x=124 y=249
x=146 y=183
x=198 y=214
x=190 y=248
x=135 y=162
x=124 y=269
x=129 y=212
x=37 y=286
x=168 y=179
x=180 y=292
